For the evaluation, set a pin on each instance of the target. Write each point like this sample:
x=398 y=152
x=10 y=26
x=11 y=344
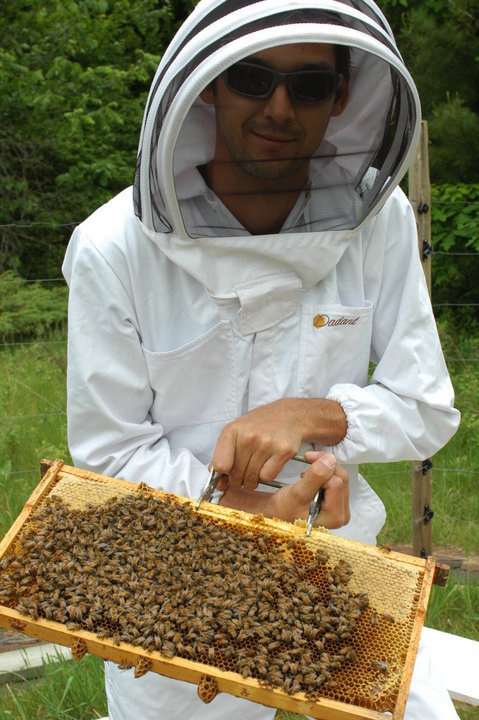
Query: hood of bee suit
x=362 y=158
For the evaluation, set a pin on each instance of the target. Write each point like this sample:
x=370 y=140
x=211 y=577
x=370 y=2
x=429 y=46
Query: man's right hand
x=292 y=502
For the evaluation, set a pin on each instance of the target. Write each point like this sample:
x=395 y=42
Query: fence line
x=16 y=475
x=448 y=359
x=6 y=281
x=72 y=223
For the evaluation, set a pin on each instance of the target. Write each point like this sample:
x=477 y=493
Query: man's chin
x=272 y=169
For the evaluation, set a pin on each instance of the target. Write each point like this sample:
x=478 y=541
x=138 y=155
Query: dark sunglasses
x=304 y=86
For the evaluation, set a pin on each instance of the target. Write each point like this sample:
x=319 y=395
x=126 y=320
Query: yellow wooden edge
x=233 y=683
x=413 y=646
x=186 y=670
x=38 y=493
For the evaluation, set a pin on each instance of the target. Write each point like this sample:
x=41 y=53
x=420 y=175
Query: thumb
x=324 y=457
x=321 y=469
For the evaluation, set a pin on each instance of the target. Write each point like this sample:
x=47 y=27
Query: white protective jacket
x=180 y=320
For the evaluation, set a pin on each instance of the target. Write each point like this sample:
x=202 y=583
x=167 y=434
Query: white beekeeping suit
x=180 y=320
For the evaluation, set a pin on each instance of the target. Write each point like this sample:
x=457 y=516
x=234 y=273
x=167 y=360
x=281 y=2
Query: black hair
x=311 y=15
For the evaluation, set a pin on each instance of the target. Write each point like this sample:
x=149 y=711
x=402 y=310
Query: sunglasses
x=304 y=86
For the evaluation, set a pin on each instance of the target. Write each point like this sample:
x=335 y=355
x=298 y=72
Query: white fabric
x=159 y=698
x=172 y=335
x=157 y=366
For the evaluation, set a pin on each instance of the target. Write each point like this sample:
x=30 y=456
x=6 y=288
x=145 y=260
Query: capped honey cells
x=152 y=572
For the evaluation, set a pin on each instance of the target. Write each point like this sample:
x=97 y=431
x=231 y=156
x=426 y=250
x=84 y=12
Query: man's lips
x=273 y=140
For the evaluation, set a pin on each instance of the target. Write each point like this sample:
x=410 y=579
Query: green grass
x=455 y=607
x=455 y=500
x=66 y=691
x=32 y=418
x=455 y=473
x=33 y=426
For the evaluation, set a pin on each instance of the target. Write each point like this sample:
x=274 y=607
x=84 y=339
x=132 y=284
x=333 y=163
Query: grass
x=455 y=607
x=455 y=500
x=33 y=426
x=32 y=419
x=66 y=691
x=455 y=473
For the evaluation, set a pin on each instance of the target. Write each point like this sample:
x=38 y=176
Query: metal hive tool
x=314 y=507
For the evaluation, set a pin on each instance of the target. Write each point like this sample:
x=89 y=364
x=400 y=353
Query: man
x=227 y=314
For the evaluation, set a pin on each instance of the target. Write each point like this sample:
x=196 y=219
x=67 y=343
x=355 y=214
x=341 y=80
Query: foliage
x=454 y=229
x=454 y=146
x=73 y=80
x=439 y=40
x=29 y=310
x=74 y=75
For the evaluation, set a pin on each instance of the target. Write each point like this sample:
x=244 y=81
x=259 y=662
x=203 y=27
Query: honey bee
x=208 y=593
x=380 y=665
x=363 y=601
x=348 y=653
x=286 y=635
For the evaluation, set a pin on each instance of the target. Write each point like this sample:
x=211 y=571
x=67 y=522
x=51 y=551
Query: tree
x=439 y=40
x=74 y=75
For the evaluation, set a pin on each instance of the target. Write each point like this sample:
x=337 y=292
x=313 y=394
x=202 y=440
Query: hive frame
x=193 y=671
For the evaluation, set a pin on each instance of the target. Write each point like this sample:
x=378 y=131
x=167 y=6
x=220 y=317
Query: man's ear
x=342 y=97
x=208 y=95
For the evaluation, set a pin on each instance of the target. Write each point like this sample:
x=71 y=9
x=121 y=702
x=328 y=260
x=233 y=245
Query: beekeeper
x=227 y=308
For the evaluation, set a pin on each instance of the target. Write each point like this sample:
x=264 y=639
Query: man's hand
x=292 y=501
x=258 y=445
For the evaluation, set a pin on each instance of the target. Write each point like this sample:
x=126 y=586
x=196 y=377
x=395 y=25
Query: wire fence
x=59 y=410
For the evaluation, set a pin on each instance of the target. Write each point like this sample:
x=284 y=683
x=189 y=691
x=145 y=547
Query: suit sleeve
x=406 y=412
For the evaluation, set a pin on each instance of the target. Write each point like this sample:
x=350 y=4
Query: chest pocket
x=334 y=347
x=195 y=383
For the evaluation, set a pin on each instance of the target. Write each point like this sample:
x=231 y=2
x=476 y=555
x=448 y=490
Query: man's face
x=274 y=138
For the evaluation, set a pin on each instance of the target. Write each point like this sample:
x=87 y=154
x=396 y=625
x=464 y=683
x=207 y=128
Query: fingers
x=246 y=454
x=238 y=458
x=256 y=447
x=224 y=455
x=322 y=467
x=325 y=472
x=335 y=512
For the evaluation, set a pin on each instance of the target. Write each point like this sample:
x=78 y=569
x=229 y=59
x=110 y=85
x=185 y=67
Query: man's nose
x=279 y=105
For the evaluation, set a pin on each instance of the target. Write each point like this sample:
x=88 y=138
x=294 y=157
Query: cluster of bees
x=156 y=574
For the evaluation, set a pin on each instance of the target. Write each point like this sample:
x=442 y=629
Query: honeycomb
x=207 y=688
x=306 y=616
x=79 y=648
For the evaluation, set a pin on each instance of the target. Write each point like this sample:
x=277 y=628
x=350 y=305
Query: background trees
x=74 y=75
x=439 y=40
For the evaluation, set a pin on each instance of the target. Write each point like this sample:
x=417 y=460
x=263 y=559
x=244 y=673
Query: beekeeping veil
x=364 y=154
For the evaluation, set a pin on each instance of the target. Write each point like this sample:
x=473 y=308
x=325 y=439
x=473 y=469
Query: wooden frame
x=190 y=671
